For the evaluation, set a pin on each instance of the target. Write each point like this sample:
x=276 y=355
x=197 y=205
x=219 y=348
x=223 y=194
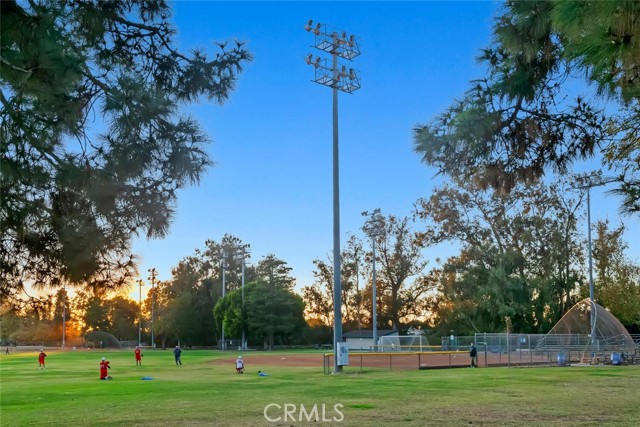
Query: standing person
x=138 y=354
x=7 y=352
x=41 y=357
x=104 y=367
x=239 y=365
x=474 y=356
x=177 y=352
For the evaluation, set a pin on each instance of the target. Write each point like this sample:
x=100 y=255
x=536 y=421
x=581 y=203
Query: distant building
x=362 y=339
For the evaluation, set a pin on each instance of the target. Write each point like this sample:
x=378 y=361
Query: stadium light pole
x=596 y=180
x=374 y=227
x=140 y=283
x=242 y=255
x=64 y=313
x=337 y=44
x=223 y=265
x=152 y=278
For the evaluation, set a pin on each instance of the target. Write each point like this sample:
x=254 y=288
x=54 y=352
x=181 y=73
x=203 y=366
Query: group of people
x=104 y=363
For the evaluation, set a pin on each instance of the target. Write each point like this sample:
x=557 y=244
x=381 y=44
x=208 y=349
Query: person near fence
x=473 y=352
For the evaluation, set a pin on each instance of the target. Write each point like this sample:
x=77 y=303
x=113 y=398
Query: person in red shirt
x=41 y=357
x=138 y=354
x=104 y=367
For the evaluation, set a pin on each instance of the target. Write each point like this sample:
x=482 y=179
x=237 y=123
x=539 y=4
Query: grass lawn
x=199 y=393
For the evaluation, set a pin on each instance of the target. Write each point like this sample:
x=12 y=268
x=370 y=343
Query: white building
x=362 y=339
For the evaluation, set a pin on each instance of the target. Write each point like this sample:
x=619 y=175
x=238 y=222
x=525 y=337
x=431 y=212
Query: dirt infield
x=357 y=360
x=261 y=359
x=393 y=361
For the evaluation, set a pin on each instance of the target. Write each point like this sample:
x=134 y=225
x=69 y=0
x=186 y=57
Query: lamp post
x=140 y=283
x=596 y=180
x=338 y=44
x=64 y=313
x=223 y=265
x=242 y=255
x=152 y=278
x=374 y=227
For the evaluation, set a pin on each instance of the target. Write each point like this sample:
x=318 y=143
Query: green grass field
x=199 y=393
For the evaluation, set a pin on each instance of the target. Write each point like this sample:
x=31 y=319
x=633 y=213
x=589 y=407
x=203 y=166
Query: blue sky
x=271 y=185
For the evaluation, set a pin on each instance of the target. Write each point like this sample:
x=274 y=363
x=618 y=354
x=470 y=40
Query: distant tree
x=61 y=308
x=212 y=257
x=275 y=272
x=188 y=300
x=230 y=312
x=520 y=257
x=617 y=282
x=73 y=195
x=94 y=304
x=124 y=315
x=401 y=272
x=318 y=297
x=520 y=120
x=273 y=311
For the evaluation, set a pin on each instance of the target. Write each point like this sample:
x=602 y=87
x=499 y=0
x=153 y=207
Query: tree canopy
x=94 y=143
x=523 y=119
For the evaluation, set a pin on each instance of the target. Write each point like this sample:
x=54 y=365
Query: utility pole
x=152 y=278
x=374 y=227
x=140 y=283
x=242 y=254
x=223 y=265
x=594 y=180
x=64 y=313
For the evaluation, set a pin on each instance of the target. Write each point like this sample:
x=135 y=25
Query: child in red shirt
x=138 y=354
x=41 y=357
x=104 y=366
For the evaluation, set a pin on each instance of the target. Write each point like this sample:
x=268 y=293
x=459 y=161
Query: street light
x=374 y=227
x=223 y=265
x=595 y=180
x=64 y=313
x=338 y=44
x=242 y=255
x=152 y=278
x=140 y=283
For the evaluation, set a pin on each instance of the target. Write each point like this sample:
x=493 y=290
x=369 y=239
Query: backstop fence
x=496 y=350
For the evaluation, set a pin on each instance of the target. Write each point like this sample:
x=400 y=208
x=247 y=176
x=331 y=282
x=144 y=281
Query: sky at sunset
x=271 y=185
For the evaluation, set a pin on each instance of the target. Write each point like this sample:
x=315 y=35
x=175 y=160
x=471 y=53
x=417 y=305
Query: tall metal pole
x=153 y=300
x=374 y=228
x=153 y=307
x=64 y=313
x=336 y=43
x=591 y=289
x=243 y=344
x=594 y=180
x=374 y=290
x=222 y=263
x=337 y=286
x=140 y=312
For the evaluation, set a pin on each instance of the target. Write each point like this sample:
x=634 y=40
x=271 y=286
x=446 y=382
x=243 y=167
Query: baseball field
x=206 y=391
